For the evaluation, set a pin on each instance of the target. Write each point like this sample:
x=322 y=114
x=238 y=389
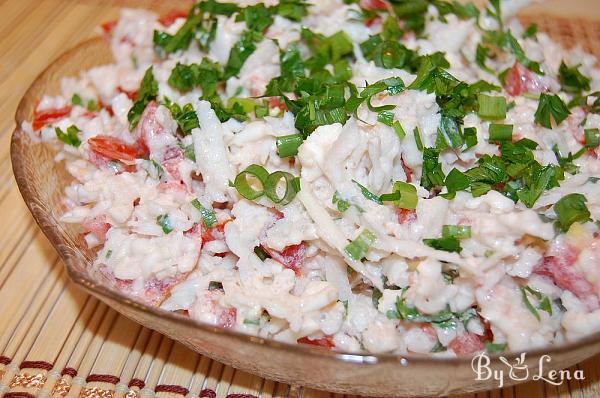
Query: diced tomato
x=275 y=102
x=326 y=341
x=42 y=118
x=407 y=170
x=96 y=226
x=373 y=21
x=521 y=80
x=372 y=5
x=132 y=95
x=215 y=233
x=406 y=216
x=156 y=291
x=107 y=27
x=466 y=345
x=89 y=115
x=429 y=330
x=227 y=318
x=514 y=81
x=291 y=257
x=561 y=270
x=170 y=18
x=113 y=148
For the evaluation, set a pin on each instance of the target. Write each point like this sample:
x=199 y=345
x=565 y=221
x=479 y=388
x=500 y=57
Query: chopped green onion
x=209 y=218
x=438 y=347
x=341 y=204
x=408 y=195
x=358 y=248
x=449 y=244
x=251 y=322
x=418 y=139
x=214 y=285
x=260 y=253
x=92 y=106
x=189 y=152
x=76 y=100
x=164 y=222
x=368 y=194
x=493 y=348
x=592 y=138
x=399 y=130
x=501 y=132
x=571 y=209
x=269 y=184
x=261 y=111
x=291 y=187
x=243 y=186
x=491 y=108
x=70 y=137
x=456 y=231
x=288 y=145
x=376 y=296
x=108 y=254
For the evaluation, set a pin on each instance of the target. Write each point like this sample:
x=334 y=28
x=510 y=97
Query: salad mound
x=365 y=176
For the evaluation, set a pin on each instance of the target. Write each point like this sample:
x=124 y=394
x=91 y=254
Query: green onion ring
x=290 y=187
x=244 y=188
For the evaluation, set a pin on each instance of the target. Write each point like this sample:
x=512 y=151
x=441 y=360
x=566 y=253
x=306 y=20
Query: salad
x=399 y=176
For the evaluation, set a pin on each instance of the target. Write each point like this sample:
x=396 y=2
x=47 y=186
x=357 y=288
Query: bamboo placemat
x=57 y=341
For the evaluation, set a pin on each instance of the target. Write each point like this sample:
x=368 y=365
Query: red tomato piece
x=326 y=341
x=113 y=148
x=49 y=116
x=466 y=345
x=373 y=21
x=521 y=80
x=107 y=27
x=170 y=18
x=275 y=102
x=515 y=80
x=227 y=318
x=132 y=95
x=565 y=276
x=373 y=5
x=158 y=290
x=96 y=226
x=291 y=257
x=407 y=170
x=406 y=216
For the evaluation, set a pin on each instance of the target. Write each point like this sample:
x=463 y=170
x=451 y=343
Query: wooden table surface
x=44 y=318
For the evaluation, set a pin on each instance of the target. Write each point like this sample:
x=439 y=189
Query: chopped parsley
x=571 y=209
x=551 y=109
x=528 y=293
x=572 y=80
x=147 y=92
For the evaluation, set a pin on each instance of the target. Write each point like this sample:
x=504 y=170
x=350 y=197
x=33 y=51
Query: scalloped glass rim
x=76 y=259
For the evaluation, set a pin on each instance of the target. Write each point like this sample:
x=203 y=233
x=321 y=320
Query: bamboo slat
x=72 y=345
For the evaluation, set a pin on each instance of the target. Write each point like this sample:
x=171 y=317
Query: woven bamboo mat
x=56 y=340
